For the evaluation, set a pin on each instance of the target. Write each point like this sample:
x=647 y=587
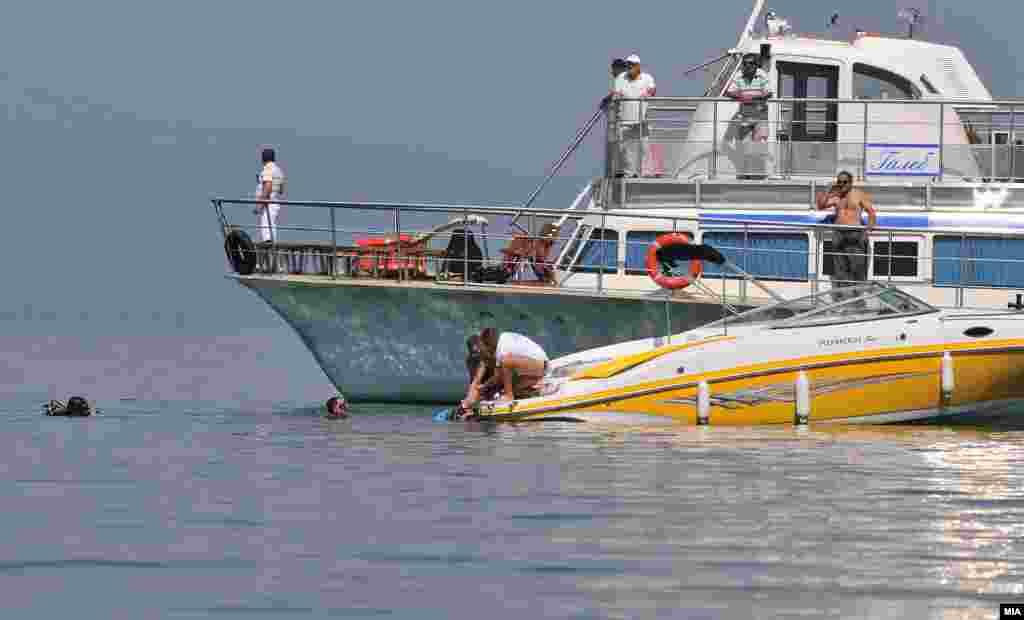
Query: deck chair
x=525 y=250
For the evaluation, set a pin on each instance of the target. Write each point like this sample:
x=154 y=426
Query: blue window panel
x=601 y=253
x=978 y=261
x=770 y=256
x=637 y=244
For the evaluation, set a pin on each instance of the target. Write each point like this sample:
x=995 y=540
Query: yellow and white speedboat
x=868 y=353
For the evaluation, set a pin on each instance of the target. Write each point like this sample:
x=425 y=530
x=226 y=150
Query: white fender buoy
x=948 y=380
x=803 y=399
x=703 y=403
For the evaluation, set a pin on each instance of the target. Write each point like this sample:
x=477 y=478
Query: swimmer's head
x=78 y=405
x=337 y=407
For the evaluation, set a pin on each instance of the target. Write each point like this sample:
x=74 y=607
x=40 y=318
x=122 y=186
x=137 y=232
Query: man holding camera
x=850 y=245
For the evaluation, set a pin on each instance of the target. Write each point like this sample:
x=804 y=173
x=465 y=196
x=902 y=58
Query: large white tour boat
x=385 y=308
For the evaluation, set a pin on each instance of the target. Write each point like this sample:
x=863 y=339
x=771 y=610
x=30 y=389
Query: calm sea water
x=169 y=510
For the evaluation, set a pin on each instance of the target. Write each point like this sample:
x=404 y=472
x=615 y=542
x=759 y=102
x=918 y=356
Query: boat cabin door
x=807 y=131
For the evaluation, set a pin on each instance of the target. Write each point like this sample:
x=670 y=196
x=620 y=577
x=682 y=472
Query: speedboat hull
x=899 y=385
x=865 y=354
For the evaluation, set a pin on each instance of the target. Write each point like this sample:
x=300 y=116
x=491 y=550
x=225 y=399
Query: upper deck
x=893 y=111
x=911 y=120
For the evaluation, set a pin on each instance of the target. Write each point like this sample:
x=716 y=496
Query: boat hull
x=392 y=342
x=899 y=385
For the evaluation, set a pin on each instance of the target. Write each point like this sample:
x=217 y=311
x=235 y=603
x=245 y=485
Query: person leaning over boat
x=850 y=246
x=633 y=84
x=480 y=366
x=271 y=187
x=519 y=365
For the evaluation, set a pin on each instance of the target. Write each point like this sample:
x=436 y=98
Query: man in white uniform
x=633 y=84
x=519 y=364
x=271 y=187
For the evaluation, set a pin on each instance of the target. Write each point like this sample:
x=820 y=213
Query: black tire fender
x=241 y=252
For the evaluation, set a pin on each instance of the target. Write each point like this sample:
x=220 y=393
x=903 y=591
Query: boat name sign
x=921 y=160
x=847 y=341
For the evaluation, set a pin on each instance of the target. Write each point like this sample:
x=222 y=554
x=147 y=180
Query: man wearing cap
x=631 y=86
x=752 y=89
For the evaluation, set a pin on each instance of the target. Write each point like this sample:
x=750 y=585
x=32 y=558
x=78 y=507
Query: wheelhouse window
x=978 y=261
x=637 y=244
x=600 y=252
x=765 y=255
x=898 y=261
x=874 y=83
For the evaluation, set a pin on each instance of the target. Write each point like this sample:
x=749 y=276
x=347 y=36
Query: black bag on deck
x=493 y=274
x=461 y=246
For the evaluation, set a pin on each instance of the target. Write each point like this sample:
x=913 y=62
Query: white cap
x=633 y=59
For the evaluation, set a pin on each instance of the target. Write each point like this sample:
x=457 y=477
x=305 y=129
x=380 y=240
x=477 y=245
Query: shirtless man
x=850 y=247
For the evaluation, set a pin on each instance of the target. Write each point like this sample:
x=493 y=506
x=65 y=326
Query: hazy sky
x=505 y=81
x=120 y=119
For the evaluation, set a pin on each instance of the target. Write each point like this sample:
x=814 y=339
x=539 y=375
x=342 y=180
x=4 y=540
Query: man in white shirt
x=271 y=188
x=519 y=365
x=632 y=85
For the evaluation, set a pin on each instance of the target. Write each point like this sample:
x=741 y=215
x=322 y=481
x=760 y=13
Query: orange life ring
x=654 y=267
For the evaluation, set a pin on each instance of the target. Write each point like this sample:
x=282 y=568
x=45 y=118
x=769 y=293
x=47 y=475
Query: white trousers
x=267 y=216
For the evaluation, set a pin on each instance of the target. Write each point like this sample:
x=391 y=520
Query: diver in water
x=337 y=407
x=76 y=407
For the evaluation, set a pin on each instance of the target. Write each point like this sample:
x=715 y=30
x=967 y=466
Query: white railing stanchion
x=942 y=140
x=333 y=264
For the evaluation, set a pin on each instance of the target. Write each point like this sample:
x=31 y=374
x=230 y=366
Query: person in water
x=337 y=407
x=519 y=365
x=76 y=407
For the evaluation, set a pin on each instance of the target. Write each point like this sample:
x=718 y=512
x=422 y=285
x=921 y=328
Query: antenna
x=912 y=16
x=749 y=29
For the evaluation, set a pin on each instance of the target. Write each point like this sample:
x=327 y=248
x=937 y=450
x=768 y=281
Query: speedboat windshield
x=852 y=303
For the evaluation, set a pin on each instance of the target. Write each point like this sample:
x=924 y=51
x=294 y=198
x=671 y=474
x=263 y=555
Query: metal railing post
x=963 y=270
x=713 y=170
x=746 y=262
x=864 y=146
x=1013 y=143
x=600 y=267
x=398 y=247
x=609 y=140
x=891 y=252
x=334 y=247
x=272 y=263
x=465 y=250
x=816 y=237
x=942 y=139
